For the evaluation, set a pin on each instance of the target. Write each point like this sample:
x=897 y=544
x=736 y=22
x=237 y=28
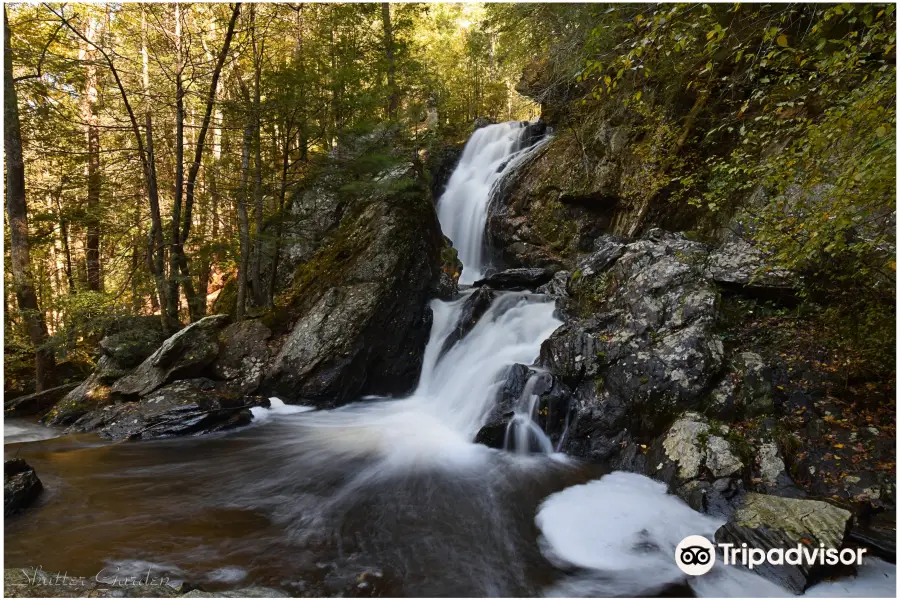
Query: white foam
x=622 y=531
x=277 y=407
x=874 y=579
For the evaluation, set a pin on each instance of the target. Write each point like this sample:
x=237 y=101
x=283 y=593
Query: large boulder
x=126 y=343
x=358 y=310
x=244 y=354
x=186 y=407
x=183 y=355
x=699 y=464
x=642 y=347
x=21 y=486
x=91 y=393
x=770 y=522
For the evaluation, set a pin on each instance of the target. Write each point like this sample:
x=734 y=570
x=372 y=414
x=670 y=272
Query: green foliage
x=780 y=118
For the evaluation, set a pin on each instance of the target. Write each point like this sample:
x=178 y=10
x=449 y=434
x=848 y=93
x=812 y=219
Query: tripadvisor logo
x=696 y=555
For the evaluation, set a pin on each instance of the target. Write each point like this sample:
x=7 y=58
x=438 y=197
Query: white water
x=490 y=153
x=455 y=395
x=619 y=533
x=457 y=389
x=622 y=530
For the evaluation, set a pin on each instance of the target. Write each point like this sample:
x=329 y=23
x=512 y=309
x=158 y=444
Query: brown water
x=293 y=506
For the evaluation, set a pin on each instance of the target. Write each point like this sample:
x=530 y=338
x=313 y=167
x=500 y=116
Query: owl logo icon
x=695 y=555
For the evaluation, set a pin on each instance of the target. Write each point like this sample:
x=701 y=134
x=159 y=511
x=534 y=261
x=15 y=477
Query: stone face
x=91 y=393
x=642 y=348
x=358 y=307
x=517 y=279
x=183 y=355
x=693 y=450
x=767 y=522
x=21 y=486
x=737 y=262
x=441 y=163
x=185 y=407
x=36 y=403
x=244 y=354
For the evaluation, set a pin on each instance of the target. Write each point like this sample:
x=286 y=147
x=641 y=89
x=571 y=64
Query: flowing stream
x=384 y=496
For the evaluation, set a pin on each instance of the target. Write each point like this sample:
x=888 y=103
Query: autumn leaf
x=782 y=40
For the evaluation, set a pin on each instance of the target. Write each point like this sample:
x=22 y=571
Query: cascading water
x=390 y=493
x=489 y=154
x=458 y=385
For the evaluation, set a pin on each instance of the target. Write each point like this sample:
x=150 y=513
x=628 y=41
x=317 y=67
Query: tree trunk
x=393 y=95
x=256 y=259
x=175 y=226
x=87 y=54
x=17 y=215
x=243 y=222
x=155 y=244
x=64 y=236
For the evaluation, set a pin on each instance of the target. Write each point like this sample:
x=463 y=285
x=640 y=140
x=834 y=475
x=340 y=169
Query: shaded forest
x=162 y=145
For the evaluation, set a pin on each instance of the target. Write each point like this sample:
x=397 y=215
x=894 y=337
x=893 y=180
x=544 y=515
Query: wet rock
x=517 y=279
x=441 y=163
x=358 y=310
x=768 y=522
x=558 y=286
x=552 y=402
x=186 y=407
x=34 y=404
x=493 y=432
x=451 y=267
x=244 y=354
x=532 y=133
x=642 y=347
x=21 y=486
x=183 y=355
x=474 y=307
x=878 y=533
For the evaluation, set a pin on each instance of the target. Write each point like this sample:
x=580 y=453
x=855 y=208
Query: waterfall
x=461 y=386
x=489 y=154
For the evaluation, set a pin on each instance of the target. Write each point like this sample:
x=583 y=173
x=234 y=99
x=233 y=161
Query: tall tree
x=87 y=55
x=17 y=215
x=393 y=95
